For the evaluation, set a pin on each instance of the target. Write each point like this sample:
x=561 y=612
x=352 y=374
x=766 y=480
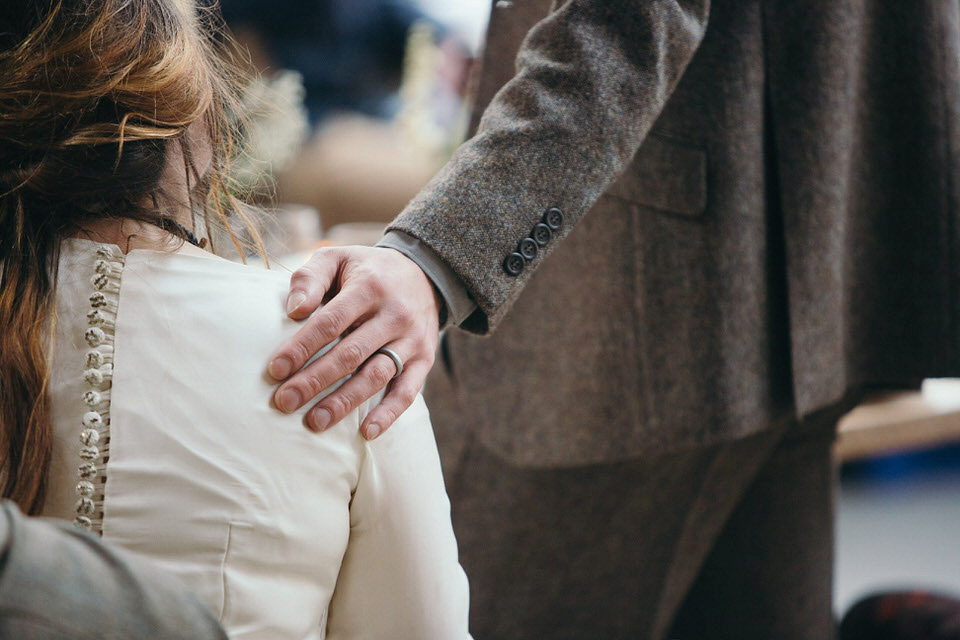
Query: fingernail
x=320 y=419
x=294 y=300
x=288 y=400
x=373 y=430
x=279 y=368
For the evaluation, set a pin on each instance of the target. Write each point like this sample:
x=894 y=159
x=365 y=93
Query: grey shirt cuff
x=459 y=305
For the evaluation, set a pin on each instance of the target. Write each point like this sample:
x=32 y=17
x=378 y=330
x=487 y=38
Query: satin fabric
x=283 y=533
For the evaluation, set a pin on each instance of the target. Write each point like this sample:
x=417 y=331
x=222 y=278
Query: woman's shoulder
x=226 y=301
x=205 y=320
x=229 y=282
x=209 y=322
x=180 y=273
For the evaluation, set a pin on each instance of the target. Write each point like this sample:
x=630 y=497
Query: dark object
x=177 y=229
x=542 y=234
x=513 y=264
x=906 y=615
x=528 y=248
x=553 y=218
x=350 y=52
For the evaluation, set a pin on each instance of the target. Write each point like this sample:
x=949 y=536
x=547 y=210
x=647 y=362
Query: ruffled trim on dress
x=94 y=444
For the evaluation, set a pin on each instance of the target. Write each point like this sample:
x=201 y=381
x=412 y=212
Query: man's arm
x=591 y=79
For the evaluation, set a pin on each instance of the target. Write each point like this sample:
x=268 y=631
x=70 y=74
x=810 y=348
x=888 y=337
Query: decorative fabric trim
x=98 y=373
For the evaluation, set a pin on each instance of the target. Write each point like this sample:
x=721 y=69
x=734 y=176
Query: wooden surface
x=901 y=421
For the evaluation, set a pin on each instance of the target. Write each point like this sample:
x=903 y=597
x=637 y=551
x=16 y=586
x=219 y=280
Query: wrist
x=454 y=303
x=439 y=302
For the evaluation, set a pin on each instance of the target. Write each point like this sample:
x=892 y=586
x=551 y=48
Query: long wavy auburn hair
x=93 y=96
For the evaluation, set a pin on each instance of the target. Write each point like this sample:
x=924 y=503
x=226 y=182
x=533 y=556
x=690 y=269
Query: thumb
x=310 y=283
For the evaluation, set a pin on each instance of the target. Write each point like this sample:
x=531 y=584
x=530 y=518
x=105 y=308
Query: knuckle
x=376 y=286
x=381 y=373
x=357 y=273
x=300 y=353
x=303 y=275
x=307 y=386
x=406 y=395
x=339 y=405
x=388 y=414
x=330 y=318
x=324 y=329
x=364 y=295
x=404 y=309
x=351 y=355
x=396 y=322
x=425 y=345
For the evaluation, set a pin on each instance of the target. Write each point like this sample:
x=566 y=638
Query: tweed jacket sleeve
x=590 y=80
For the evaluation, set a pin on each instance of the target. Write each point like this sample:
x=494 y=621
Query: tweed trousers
x=732 y=541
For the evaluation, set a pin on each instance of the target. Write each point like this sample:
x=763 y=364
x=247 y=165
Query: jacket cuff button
x=528 y=248
x=542 y=234
x=513 y=265
x=553 y=218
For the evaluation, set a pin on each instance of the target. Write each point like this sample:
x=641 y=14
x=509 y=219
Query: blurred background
x=359 y=102
x=356 y=104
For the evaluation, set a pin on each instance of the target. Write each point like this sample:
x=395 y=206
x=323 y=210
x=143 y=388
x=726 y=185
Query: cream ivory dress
x=166 y=443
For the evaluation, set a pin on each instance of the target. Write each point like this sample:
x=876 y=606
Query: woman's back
x=161 y=355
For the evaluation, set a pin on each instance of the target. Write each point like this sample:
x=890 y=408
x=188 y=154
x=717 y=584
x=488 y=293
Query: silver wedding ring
x=390 y=353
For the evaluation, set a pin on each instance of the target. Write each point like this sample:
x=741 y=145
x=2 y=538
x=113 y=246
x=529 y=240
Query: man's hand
x=374 y=297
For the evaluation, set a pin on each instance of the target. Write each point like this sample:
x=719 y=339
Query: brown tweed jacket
x=760 y=219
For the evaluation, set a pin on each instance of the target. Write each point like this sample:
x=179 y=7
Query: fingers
x=373 y=376
x=319 y=331
x=310 y=283
x=403 y=391
x=380 y=297
x=344 y=359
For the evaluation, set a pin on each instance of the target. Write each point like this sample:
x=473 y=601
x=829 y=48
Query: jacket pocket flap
x=667 y=175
